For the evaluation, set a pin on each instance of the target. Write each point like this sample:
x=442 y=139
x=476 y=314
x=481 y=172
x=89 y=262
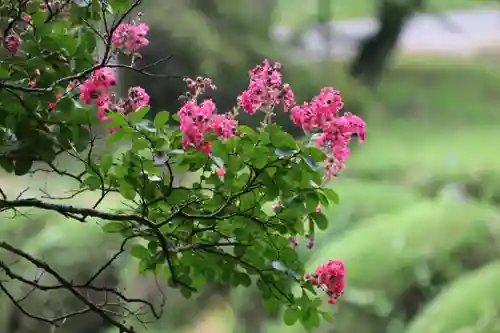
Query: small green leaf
x=310 y=319
x=291 y=316
x=7 y=164
x=113 y=227
x=127 y=190
x=4 y=73
x=119 y=6
x=161 y=119
x=243 y=279
x=280 y=139
x=138 y=115
x=140 y=252
x=219 y=150
x=176 y=117
x=185 y=292
x=327 y=316
x=245 y=130
x=90 y=40
x=22 y=165
x=315 y=154
x=320 y=220
x=118 y=119
x=106 y=162
x=331 y=195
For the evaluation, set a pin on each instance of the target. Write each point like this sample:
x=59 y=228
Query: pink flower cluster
x=266 y=90
x=97 y=90
x=132 y=37
x=196 y=119
x=331 y=278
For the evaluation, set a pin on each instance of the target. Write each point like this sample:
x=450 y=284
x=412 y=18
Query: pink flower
x=197 y=119
x=318 y=208
x=130 y=36
x=138 y=97
x=330 y=278
x=12 y=43
x=221 y=172
x=321 y=115
x=266 y=90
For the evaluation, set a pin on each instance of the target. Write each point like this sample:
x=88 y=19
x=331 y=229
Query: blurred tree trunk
x=375 y=51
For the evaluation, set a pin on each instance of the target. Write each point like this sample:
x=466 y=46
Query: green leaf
x=315 y=154
x=245 y=130
x=310 y=319
x=138 y=115
x=38 y=17
x=185 y=292
x=118 y=119
x=122 y=133
x=82 y=138
x=240 y=278
x=331 y=195
x=7 y=164
x=280 y=139
x=291 y=316
x=4 y=72
x=49 y=43
x=22 y=165
x=327 y=316
x=113 y=227
x=90 y=41
x=93 y=182
x=119 y=6
x=176 y=117
x=320 y=220
x=219 y=150
x=106 y=162
x=248 y=201
x=127 y=190
x=140 y=252
x=161 y=119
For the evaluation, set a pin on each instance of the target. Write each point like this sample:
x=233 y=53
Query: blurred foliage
x=470 y=304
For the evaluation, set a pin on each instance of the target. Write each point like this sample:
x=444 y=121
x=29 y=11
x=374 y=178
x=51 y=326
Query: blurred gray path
x=455 y=32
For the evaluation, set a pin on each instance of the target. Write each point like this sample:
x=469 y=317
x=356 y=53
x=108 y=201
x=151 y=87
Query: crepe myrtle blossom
x=97 y=90
x=320 y=115
x=330 y=277
x=131 y=37
x=199 y=116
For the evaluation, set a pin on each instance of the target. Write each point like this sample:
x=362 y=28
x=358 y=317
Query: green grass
x=296 y=13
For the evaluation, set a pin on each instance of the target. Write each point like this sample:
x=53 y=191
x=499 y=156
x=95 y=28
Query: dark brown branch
x=67 y=286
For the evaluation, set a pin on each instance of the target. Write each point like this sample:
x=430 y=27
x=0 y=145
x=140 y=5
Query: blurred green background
x=419 y=220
